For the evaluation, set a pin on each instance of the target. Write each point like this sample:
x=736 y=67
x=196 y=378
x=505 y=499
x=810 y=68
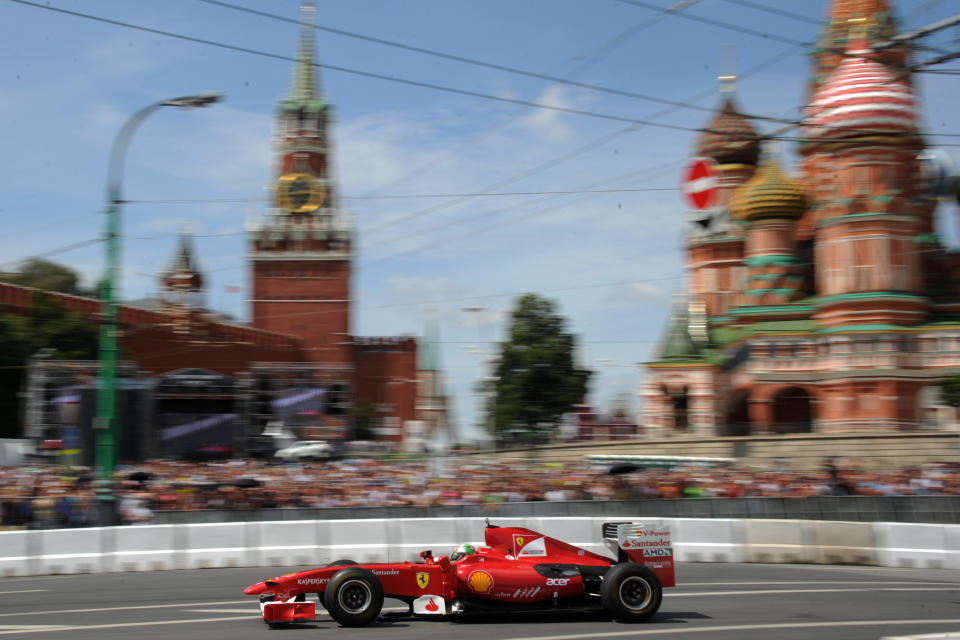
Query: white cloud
x=645 y=291
x=548 y=124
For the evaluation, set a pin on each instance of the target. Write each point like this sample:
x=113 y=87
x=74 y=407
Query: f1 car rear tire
x=631 y=592
x=354 y=597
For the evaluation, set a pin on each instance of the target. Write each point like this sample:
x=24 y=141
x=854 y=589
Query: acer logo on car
x=558 y=582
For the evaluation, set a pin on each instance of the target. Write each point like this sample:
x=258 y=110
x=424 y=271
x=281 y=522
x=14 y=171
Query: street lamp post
x=107 y=388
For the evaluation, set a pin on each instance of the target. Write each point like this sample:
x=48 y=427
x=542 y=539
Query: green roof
x=677 y=345
x=728 y=335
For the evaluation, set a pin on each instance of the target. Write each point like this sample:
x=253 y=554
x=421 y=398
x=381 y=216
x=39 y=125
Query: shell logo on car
x=480 y=581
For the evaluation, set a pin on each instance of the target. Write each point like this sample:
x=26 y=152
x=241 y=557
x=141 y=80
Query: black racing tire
x=345 y=562
x=354 y=597
x=631 y=592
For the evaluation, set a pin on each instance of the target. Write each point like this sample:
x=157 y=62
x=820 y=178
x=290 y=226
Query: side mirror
x=426 y=554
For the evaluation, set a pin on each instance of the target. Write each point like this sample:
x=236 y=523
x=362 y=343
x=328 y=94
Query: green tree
x=48 y=325
x=14 y=350
x=950 y=391
x=536 y=379
x=47 y=276
x=364 y=419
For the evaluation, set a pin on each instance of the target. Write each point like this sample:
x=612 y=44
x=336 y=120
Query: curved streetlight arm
x=106 y=423
x=118 y=152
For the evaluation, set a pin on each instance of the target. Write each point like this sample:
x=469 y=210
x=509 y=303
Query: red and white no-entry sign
x=701 y=182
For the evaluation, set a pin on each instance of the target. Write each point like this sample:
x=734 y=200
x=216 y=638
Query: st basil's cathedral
x=820 y=301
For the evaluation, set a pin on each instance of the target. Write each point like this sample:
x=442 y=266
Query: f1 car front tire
x=342 y=563
x=631 y=592
x=354 y=597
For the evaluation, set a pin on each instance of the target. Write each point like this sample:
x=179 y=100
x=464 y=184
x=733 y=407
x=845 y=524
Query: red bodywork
x=517 y=566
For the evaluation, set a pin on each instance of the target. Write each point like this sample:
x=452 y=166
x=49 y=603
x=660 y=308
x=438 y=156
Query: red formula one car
x=516 y=570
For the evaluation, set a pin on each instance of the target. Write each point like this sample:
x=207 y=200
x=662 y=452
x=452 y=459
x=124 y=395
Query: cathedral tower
x=301 y=254
x=861 y=145
x=715 y=241
x=770 y=204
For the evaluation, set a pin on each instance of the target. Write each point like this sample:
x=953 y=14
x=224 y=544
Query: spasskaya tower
x=301 y=252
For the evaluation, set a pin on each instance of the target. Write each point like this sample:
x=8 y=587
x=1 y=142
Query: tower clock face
x=300 y=193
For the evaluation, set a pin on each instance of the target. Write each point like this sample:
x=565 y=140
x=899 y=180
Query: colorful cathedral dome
x=769 y=193
x=730 y=138
x=862 y=97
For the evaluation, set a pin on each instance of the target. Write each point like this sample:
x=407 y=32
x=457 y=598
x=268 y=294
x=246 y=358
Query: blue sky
x=611 y=260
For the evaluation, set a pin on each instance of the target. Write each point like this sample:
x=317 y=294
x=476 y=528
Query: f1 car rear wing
x=645 y=542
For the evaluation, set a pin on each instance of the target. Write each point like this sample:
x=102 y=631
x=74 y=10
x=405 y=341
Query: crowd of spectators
x=48 y=496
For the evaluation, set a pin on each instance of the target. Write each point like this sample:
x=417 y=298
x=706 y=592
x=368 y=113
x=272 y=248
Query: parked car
x=305 y=450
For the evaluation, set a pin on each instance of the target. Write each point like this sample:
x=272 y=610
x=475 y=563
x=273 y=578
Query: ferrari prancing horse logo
x=422 y=580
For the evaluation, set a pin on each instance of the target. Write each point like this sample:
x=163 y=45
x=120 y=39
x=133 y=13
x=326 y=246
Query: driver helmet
x=461 y=551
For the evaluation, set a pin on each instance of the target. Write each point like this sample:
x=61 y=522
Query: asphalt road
x=714 y=601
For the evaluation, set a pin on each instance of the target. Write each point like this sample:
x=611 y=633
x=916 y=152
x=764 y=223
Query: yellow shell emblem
x=422 y=580
x=480 y=581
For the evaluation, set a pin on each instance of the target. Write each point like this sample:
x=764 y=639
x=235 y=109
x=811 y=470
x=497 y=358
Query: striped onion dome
x=862 y=97
x=730 y=139
x=769 y=193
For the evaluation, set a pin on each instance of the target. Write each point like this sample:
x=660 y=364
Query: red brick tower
x=301 y=254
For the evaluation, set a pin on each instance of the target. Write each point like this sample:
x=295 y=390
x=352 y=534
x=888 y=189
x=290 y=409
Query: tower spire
x=728 y=70
x=305 y=87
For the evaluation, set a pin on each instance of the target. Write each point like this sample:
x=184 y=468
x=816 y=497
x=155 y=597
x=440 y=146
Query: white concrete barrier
x=580 y=532
x=286 y=543
x=707 y=540
x=13 y=554
x=220 y=545
x=316 y=542
x=844 y=542
x=70 y=550
x=952 y=545
x=143 y=548
x=357 y=540
x=911 y=545
x=413 y=535
x=778 y=541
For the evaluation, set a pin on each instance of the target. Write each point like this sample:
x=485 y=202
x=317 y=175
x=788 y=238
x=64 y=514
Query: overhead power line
x=719 y=23
x=486 y=214
x=774 y=11
x=588 y=61
x=470 y=61
x=357 y=72
x=57 y=251
x=412 y=196
x=583 y=149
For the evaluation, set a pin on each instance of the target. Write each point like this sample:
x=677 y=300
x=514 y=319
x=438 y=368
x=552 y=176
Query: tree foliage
x=536 y=379
x=950 y=391
x=48 y=325
x=364 y=417
x=47 y=276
